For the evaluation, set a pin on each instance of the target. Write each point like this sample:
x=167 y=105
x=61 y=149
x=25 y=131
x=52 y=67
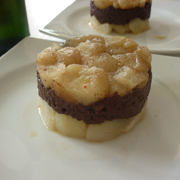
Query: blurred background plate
x=162 y=38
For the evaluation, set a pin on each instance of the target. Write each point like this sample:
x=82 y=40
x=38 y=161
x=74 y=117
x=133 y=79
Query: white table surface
x=41 y=12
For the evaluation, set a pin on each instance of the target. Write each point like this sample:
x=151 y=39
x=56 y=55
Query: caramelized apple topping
x=91 y=68
x=123 y=4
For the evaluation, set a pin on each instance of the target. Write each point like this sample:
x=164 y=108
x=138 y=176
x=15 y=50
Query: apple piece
x=103 y=4
x=143 y=58
x=47 y=115
x=83 y=84
x=121 y=29
x=49 y=72
x=106 y=130
x=70 y=126
x=69 y=55
x=104 y=61
x=120 y=45
x=130 y=78
x=102 y=28
x=89 y=48
x=74 y=42
x=115 y=86
x=49 y=55
x=137 y=25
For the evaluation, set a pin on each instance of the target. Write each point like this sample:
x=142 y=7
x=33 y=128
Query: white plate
x=29 y=151
x=162 y=38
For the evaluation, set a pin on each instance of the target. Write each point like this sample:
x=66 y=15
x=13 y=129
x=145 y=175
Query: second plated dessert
x=123 y=16
x=94 y=87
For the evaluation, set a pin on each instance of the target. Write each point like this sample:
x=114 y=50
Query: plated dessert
x=94 y=87
x=123 y=16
